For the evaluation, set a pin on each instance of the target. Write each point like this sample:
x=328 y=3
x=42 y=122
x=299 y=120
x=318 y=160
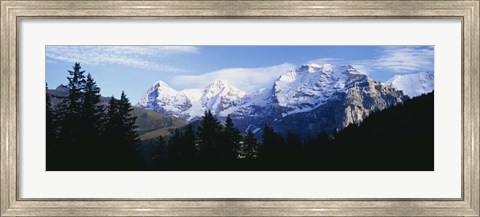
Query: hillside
x=150 y=124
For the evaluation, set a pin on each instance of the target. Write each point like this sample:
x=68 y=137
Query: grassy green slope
x=152 y=124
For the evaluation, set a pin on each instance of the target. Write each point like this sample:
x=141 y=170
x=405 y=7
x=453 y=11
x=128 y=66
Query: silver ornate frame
x=11 y=11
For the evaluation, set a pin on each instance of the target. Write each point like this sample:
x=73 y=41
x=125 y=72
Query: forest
x=83 y=135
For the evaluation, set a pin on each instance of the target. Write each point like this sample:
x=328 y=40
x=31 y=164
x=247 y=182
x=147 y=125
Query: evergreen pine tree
x=111 y=137
x=160 y=148
x=249 y=149
x=273 y=147
x=174 y=146
x=120 y=136
x=92 y=111
x=52 y=151
x=294 y=146
x=91 y=124
x=188 y=144
x=125 y=110
x=160 y=151
x=71 y=113
x=231 y=140
x=76 y=86
x=209 y=132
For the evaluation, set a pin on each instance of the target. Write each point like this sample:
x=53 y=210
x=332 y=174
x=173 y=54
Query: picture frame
x=13 y=11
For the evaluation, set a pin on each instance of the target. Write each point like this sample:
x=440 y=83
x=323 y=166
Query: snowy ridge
x=188 y=104
x=413 y=84
x=312 y=85
x=297 y=92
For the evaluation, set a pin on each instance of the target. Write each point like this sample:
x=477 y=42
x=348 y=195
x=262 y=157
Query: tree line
x=84 y=135
x=397 y=138
x=210 y=144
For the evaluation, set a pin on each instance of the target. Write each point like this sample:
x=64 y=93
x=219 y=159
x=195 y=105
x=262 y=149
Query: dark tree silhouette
x=120 y=136
x=71 y=113
x=91 y=125
x=315 y=148
x=188 y=148
x=161 y=147
x=273 y=147
x=209 y=137
x=231 y=140
x=294 y=145
x=52 y=152
x=93 y=112
x=174 y=146
x=249 y=148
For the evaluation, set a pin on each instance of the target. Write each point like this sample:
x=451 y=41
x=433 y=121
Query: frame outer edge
x=3 y=71
x=475 y=73
x=8 y=116
x=4 y=114
x=470 y=105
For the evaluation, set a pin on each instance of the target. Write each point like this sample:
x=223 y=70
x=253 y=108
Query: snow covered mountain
x=413 y=84
x=317 y=97
x=219 y=97
x=304 y=101
x=312 y=85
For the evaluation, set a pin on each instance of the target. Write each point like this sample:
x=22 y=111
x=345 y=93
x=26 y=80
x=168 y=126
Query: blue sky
x=135 y=68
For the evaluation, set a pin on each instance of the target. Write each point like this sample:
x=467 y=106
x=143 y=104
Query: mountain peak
x=219 y=82
x=162 y=88
x=328 y=68
x=413 y=84
x=160 y=83
x=62 y=88
x=221 y=87
x=310 y=68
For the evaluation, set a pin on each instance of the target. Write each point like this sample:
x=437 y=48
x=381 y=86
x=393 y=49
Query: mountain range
x=304 y=101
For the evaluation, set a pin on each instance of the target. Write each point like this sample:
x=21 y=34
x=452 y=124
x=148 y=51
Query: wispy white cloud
x=322 y=61
x=392 y=59
x=135 y=56
x=50 y=61
x=406 y=58
x=248 y=79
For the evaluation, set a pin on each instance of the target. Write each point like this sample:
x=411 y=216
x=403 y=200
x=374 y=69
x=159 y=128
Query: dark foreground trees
x=213 y=146
x=395 y=139
x=84 y=135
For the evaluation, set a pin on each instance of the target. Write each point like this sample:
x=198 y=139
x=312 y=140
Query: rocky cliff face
x=366 y=96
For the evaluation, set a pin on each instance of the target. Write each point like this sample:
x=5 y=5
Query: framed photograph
x=239 y=108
